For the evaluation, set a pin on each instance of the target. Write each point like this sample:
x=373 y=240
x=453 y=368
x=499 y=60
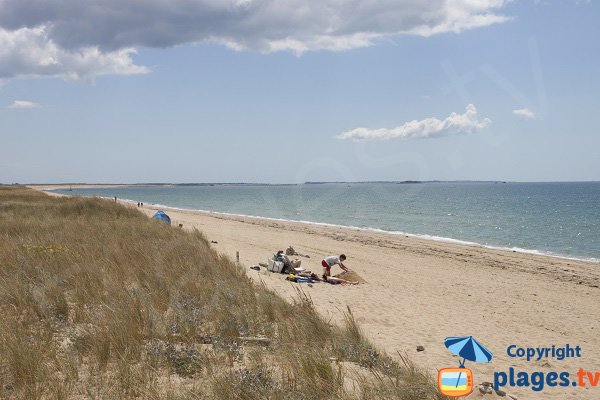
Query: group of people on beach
x=327 y=263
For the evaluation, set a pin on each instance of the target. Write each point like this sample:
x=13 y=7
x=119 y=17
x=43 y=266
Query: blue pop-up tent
x=161 y=216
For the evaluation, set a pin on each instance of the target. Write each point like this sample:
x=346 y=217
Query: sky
x=114 y=91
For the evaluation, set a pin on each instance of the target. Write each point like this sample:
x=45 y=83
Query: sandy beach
x=420 y=292
x=448 y=149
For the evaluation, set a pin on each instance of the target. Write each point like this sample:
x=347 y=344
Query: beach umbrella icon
x=469 y=349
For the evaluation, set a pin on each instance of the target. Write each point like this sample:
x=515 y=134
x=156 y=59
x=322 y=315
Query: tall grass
x=98 y=301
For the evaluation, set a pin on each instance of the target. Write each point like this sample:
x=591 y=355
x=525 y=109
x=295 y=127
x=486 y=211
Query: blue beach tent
x=161 y=216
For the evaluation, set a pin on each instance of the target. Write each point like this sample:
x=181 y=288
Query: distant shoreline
x=58 y=186
x=437 y=239
x=425 y=237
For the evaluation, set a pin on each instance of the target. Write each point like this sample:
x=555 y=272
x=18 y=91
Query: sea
x=557 y=219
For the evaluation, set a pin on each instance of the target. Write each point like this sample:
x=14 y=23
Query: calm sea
x=561 y=219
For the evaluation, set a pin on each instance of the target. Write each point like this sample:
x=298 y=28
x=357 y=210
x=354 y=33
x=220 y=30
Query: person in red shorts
x=330 y=261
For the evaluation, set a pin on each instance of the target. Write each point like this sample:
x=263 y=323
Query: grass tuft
x=98 y=301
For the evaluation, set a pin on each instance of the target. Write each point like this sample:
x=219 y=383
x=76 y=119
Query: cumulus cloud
x=79 y=39
x=425 y=128
x=30 y=52
x=23 y=104
x=524 y=113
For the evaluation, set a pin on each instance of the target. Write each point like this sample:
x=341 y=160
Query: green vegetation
x=98 y=301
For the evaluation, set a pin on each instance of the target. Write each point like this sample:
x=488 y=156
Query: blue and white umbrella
x=469 y=349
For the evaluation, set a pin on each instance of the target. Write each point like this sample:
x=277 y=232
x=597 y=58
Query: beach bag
x=274 y=266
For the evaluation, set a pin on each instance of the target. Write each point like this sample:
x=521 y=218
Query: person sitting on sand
x=330 y=261
x=284 y=259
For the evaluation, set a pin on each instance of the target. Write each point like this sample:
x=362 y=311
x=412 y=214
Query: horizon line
x=291 y=184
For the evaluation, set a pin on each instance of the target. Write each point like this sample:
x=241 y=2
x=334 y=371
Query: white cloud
x=82 y=39
x=30 y=52
x=22 y=104
x=524 y=113
x=425 y=128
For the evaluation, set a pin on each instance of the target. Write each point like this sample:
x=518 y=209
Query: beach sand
x=420 y=292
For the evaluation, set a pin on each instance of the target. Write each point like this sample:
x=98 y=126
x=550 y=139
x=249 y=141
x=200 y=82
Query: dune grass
x=98 y=301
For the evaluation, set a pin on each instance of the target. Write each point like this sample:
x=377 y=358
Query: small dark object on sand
x=420 y=348
x=214 y=241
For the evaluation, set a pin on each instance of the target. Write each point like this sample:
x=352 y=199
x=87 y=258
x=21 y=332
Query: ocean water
x=561 y=219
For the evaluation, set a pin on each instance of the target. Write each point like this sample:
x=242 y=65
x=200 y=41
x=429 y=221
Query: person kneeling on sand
x=330 y=261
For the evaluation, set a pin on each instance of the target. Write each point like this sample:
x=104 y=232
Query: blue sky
x=495 y=91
